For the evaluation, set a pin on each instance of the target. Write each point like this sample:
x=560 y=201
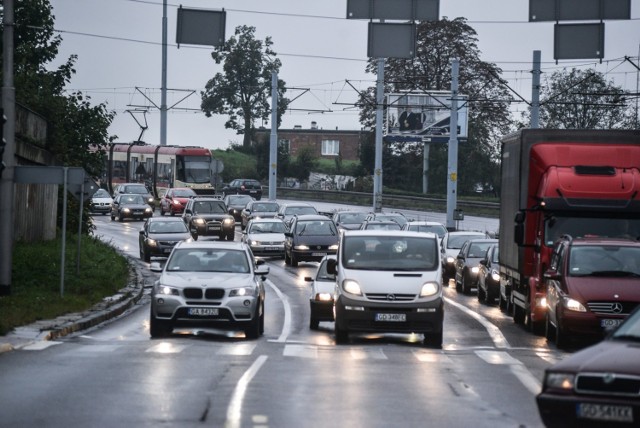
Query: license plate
x=253 y=191
x=213 y=228
x=391 y=317
x=271 y=248
x=167 y=250
x=318 y=254
x=605 y=412
x=610 y=323
x=203 y=312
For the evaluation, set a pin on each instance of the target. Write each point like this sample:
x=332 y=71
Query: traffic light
x=3 y=142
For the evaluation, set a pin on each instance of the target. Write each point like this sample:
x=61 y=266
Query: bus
x=159 y=167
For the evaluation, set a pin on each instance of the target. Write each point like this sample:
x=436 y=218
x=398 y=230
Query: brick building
x=327 y=144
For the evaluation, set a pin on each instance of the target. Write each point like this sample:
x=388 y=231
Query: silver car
x=210 y=284
x=265 y=237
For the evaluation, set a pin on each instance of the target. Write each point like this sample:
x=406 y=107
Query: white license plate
x=253 y=191
x=271 y=248
x=167 y=250
x=213 y=228
x=318 y=254
x=391 y=317
x=203 y=312
x=605 y=412
x=610 y=323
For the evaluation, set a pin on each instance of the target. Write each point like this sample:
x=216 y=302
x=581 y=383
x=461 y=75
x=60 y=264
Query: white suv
x=388 y=281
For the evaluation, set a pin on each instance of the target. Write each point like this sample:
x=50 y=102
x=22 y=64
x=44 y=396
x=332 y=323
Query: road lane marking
x=516 y=366
x=166 y=348
x=300 y=351
x=286 y=325
x=234 y=411
x=494 y=332
x=365 y=354
x=237 y=349
x=39 y=346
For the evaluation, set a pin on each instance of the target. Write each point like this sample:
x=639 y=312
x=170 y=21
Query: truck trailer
x=561 y=182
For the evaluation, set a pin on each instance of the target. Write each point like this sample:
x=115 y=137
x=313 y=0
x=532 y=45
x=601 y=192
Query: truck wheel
x=518 y=314
x=502 y=303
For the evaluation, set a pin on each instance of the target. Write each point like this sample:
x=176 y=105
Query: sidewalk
x=109 y=308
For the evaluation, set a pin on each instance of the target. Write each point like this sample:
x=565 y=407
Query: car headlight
x=167 y=291
x=324 y=297
x=254 y=243
x=475 y=269
x=198 y=221
x=450 y=260
x=301 y=247
x=175 y=202
x=241 y=292
x=150 y=200
x=126 y=210
x=429 y=289
x=562 y=381
x=333 y=247
x=229 y=221
x=573 y=305
x=152 y=242
x=495 y=275
x=148 y=210
x=351 y=287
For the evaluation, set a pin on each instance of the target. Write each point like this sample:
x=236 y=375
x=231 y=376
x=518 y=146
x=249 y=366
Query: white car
x=101 y=202
x=209 y=284
x=321 y=295
x=265 y=237
x=426 y=226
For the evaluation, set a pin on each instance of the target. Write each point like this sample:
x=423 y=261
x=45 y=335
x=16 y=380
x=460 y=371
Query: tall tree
x=438 y=43
x=243 y=90
x=583 y=99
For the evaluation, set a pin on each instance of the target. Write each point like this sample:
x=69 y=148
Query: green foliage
x=243 y=90
x=304 y=163
x=35 y=293
x=236 y=164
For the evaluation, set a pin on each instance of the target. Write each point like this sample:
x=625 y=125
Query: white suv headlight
x=429 y=289
x=242 y=292
x=167 y=291
x=352 y=287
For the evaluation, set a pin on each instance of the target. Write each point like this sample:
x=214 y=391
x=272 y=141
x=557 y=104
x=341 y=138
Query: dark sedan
x=130 y=206
x=310 y=238
x=159 y=236
x=235 y=204
x=468 y=262
x=598 y=386
x=489 y=277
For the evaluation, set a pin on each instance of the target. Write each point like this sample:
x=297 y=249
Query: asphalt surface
x=109 y=308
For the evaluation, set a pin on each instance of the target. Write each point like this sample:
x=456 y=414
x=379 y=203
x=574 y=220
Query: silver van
x=388 y=281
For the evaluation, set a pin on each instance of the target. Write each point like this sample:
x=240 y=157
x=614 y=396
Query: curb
x=108 y=308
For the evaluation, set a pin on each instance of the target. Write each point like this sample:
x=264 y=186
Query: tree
x=243 y=90
x=304 y=163
x=438 y=43
x=583 y=99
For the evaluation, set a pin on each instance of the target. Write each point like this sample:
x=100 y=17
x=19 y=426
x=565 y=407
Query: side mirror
x=259 y=262
x=332 y=266
x=308 y=279
x=483 y=262
x=155 y=267
x=518 y=231
x=141 y=232
x=288 y=234
x=262 y=270
x=551 y=275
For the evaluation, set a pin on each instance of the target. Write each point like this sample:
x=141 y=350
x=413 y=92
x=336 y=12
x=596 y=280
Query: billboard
x=424 y=117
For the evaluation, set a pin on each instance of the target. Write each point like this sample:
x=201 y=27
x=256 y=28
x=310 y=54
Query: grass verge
x=36 y=291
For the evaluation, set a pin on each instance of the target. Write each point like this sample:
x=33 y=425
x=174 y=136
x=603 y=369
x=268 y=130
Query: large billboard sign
x=424 y=117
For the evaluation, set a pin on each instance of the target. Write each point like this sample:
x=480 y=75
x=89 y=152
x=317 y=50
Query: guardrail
x=486 y=209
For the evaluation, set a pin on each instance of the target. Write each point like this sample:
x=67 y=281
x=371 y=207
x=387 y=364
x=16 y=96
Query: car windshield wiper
x=632 y=337
x=615 y=273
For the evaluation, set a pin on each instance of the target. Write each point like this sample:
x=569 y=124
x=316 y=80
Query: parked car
x=159 y=236
x=100 y=202
x=134 y=189
x=208 y=216
x=265 y=236
x=592 y=284
x=348 y=220
x=426 y=226
x=451 y=244
x=321 y=296
x=597 y=386
x=235 y=204
x=287 y=211
x=243 y=186
x=130 y=206
x=489 y=278
x=399 y=218
x=258 y=209
x=388 y=282
x=175 y=199
x=209 y=284
x=468 y=262
x=379 y=225
x=310 y=237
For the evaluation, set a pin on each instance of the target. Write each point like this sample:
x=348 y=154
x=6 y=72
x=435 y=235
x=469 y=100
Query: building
x=326 y=144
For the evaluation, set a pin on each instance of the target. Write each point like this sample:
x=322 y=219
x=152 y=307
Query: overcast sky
x=118 y=43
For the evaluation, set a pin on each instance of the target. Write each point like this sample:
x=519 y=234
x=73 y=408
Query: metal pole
x=6 y=179
x=425 y=167
x=81 y=199
x=64 y=229
x=163 y=100
x=377 y=173
x=452 y=166
x=273 y=142
x=535 y=91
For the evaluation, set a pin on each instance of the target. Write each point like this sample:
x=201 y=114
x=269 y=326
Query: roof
x=389 y=233
x=235 y=245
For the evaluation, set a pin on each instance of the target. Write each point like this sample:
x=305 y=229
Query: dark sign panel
x=391 y=40
x=404 y=10
x=200 y=27
x=577 y=10
x=578 y=41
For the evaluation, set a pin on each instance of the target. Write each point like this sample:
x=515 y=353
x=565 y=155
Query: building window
x=330 y=147
x=286 y=144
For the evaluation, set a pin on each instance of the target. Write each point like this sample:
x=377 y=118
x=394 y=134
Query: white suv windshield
x=390 y=253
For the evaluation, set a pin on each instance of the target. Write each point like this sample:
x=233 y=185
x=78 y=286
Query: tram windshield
x=194 y=169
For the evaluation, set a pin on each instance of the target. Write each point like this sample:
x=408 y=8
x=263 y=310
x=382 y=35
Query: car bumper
x=160 y=250
x=104 y=209
x=135 y=216
x=268 y=250
x=562 y=411
x=312 y=256
x=203 y=230
x=231 y=313
x=585 y=323
x=359 y=315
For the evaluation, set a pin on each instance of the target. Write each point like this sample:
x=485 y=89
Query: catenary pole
x=452 y=165
x=535 y=91
x=377 y=171
x=163 y=90
x=273 y=142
